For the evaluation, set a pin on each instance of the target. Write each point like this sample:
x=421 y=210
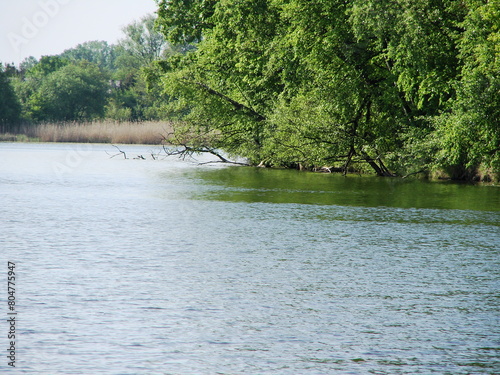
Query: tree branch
x=119 y=153
x=237 y=105
x=189 y=151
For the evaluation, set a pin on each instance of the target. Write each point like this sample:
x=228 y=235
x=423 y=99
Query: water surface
x=169 y=267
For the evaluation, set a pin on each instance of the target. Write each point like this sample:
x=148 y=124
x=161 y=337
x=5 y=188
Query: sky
x=48 y=27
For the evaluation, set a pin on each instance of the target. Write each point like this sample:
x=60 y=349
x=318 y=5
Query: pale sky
x=48 y=27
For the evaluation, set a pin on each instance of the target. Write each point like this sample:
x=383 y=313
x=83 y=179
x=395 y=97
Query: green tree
x=97 y=52
x=387 y=84
x=73 y=92
x=185 y=21
x=142 y=43
x=469 y=133
x=33 y=74
x=135 y=97
x=45 y=66
x=10 y=109
x=220 y=88
x=27 y=64
x=331 y=112
x=277 y=86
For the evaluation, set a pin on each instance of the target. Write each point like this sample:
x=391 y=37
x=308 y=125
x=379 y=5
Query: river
x=169 y=266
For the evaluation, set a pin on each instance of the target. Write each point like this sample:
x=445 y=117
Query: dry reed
x=148 y=132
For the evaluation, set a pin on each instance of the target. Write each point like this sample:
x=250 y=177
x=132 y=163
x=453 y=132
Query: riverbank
x=147 y=132
x=156 y=132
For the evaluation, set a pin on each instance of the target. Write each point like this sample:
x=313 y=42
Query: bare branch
x=119 y=153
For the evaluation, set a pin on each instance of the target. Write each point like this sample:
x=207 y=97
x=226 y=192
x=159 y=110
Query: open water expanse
x=164 y=266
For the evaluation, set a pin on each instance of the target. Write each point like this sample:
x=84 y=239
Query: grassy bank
x=148 y=132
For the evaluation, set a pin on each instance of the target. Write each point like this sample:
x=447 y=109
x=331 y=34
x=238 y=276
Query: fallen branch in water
x=184 y=151
x=119 y=153
x=414 y=173
x=189 y=151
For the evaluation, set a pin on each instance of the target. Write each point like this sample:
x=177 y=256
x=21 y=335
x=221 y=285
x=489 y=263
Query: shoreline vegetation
x=319 y=86
x=106 y=131
x=158 y=133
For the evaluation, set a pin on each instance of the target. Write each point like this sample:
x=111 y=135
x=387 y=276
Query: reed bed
x=148 y=132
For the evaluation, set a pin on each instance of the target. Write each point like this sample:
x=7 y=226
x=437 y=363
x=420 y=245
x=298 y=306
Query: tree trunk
x=380 y=169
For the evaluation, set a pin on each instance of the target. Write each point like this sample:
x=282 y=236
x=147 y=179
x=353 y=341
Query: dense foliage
x=398 y=86
x=10 y=109
x=91 y=81
x=395 y=87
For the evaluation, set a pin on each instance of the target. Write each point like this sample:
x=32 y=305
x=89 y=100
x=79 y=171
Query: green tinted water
x=285 y=186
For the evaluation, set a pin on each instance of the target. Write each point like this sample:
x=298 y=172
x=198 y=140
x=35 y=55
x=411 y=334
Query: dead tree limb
x=188 y=151
x=414 y=173
x=119 y=153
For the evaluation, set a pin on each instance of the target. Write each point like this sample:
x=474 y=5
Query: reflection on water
x=286 y=186
x=167 y=267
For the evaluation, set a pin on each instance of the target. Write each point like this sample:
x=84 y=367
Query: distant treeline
x=94 y=80
x=393 y=87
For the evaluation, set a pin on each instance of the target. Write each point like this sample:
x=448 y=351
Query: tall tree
x=469 y=132
x=98 y=52
x=142 y=43
x=45 y=66
x=141 y=46
x=10 y=109
x=185 y=21
x=400 y=86
x=73 y=92
x=278 y=86
x=221 y=86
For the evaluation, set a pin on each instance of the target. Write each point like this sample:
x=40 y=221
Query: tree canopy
x=92 y=80
x=394 y=87
x=10 y=108
x=399 y=86
x=73 y=92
